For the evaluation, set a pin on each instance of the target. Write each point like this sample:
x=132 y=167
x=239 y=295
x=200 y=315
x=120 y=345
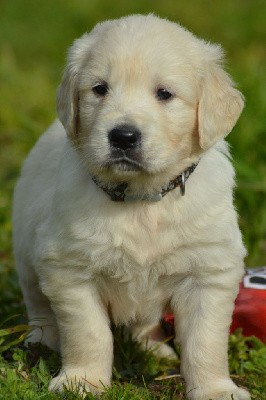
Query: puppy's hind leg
x=152 y=338
x=40 y=315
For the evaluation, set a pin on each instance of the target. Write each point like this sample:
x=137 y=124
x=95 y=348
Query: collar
x=118 y=193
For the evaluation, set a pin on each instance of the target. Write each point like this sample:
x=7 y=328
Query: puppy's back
x=35 y=188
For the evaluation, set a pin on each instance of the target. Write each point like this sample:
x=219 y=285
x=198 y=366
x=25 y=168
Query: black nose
x=124 y=137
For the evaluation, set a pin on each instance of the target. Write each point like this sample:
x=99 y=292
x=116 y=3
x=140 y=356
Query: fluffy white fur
x=84 y=260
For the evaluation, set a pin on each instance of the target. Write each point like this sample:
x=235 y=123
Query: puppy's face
x=137 y=108
x=135 y=87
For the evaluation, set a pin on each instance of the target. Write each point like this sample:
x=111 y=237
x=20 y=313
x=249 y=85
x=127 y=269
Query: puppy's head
x=143 y=97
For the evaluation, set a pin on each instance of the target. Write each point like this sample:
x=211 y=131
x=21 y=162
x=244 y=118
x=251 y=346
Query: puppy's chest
x=139 y=299
x=135 y=240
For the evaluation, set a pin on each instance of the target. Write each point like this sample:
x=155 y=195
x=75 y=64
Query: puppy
x=124 y=206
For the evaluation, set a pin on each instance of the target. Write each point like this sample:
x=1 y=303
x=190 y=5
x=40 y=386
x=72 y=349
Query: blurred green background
x=34 y=37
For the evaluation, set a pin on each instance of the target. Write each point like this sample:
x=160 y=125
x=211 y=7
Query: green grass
x=25 y=373
x=33 y=42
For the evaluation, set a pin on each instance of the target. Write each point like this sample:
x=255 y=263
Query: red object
x=250 y=309
x=250 y=312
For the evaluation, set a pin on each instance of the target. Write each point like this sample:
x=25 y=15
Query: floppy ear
x=219 y=107
x=67 y=103
x=67 y=92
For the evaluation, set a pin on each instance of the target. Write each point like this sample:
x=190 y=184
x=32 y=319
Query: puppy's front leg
x=85 y=336
x=203 y=313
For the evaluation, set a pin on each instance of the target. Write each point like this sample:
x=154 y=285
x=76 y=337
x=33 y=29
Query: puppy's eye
x=100 y=89
x=163 y=94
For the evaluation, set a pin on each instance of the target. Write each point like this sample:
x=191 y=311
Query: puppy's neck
x=125 y=192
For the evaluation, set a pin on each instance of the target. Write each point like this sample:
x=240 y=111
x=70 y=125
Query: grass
x=33 y=42
x=25 y=373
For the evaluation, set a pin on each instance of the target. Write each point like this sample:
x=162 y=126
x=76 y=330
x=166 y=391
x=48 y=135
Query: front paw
x=233 y=393
x=78 y=381
x=237 y=394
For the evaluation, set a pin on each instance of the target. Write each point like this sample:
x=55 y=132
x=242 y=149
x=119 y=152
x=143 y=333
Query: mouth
x=124 y=164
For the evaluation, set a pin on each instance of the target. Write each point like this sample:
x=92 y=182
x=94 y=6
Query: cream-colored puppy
x=102 y=228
